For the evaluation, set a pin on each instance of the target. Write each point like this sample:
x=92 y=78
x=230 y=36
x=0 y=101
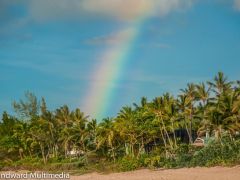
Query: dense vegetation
x=157 y=133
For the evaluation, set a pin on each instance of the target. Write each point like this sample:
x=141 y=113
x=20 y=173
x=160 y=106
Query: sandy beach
x=214 y=173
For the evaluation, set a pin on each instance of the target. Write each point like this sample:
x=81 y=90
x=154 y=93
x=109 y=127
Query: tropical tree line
x=209 y=110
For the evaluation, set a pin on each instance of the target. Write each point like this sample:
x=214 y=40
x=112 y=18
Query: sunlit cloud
x=45 y=10
x=237 y=4
x=120 y=9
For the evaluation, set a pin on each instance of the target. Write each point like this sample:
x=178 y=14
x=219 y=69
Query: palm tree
x=157 y=109
x=171 y=111
x=51 y=128
x=78 y=130
x=21 y=134
x=64 y=119
x=142 y=105
x=106 y=135
x=63 y=116
x=92 y=133
x=41 y=135
x=203 y=93
x=203 y=96
x=230 y=105
x=220 y=84
x=183 y=103
x=223 y=115
x=189 y=94
x=27 y=109
x=127 y=126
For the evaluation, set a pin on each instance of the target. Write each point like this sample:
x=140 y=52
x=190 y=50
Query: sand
x=214 y=173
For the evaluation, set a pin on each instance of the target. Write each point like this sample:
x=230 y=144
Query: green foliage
x=153 y=161
x=157 y=133
x=27 y=163
x=128 y=163
x=183 y=155
x=218 y=153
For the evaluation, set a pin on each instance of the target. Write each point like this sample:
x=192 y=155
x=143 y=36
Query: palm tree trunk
x=20 y=154
x=132 y=149
x=43 y=153
x=189 y=135
x=30 y=153
x=191 y=119
x=164 y=141
x=174 y=135
x=230 y=135
x=65 y=149
x=126 y=149
x=113 y=153
x=165 y=130
x=141 y=147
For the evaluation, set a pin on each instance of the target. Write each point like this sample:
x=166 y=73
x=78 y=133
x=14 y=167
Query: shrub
x=225 y=152
x=128 y=163
x=152 y=161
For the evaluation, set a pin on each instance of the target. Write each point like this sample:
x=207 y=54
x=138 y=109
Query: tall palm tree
x=48 y=119
x=157 y=108
x=92 y=132
x=203 y=96
x=190 y=95
x=64 y=119
x=183 y=104
x=203 y=93
x=63 y=116
x=171 y=111
x=223 y=115
x=78 y=130
x=142 y=105
x=220 y=84
x=106 y=135
x=42 y=136
x=21 y=134
x=127 y=126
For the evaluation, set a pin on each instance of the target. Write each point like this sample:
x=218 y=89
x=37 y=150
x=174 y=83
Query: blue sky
x=51 y=47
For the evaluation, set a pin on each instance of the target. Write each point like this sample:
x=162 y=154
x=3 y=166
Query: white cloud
x=120 y=9
x=237 y=4
x=42 y=10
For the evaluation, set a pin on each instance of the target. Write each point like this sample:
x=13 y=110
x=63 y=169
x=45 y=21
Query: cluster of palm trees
x=205 y=109
x=210 y=109
x=45 y=134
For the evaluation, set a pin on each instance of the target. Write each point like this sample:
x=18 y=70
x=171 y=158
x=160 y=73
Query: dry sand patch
x=214 y=173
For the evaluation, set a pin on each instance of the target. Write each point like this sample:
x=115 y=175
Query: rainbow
x=108 y=71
